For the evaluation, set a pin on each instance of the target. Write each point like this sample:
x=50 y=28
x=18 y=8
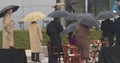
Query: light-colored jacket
x=35 y=38
x=8 y=39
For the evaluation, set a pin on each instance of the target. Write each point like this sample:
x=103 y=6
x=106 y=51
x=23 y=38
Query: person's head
x=10 y=11
x=70 y=33
x=33 y=22
x=107 y=20
x=57 y=7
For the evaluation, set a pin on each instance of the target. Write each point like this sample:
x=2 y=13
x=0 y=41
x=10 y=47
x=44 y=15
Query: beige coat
x=35 y=38
x=82 y=34
x=8 y=39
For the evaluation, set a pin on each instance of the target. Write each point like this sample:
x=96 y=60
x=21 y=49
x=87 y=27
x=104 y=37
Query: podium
x=12 y=56
x=109 y=55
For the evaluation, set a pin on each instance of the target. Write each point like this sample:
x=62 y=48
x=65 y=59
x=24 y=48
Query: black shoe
x=33 y=56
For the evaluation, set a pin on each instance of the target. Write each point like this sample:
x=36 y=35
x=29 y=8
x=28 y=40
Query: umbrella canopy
x=58 y=14
x=4 y=10
x=85 y=19
x=71 y=2
x=105 y=15
x=34 y=16
x=69 y=28
x=76 y=16
x=89 y=21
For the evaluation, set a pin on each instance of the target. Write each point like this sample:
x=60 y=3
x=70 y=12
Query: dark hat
x=4 y=10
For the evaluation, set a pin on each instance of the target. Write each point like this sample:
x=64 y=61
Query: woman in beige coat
x=8 y=40
x=82 y=33
x=35 y=40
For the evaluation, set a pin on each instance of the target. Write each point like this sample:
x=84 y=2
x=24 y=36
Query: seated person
x=72 y=38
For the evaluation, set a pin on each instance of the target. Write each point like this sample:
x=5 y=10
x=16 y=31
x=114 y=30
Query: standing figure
x=53 y=31
x=35 y=40
x=107 y=28
x=82 y=33
x=8 y=35
x=117 y=31
x=8 y=39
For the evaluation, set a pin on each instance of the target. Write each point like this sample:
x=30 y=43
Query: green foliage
x=22 y=40
x=95 y=34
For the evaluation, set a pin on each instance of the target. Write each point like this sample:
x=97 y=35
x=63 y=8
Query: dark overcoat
x=107 y=28
x=53 y=31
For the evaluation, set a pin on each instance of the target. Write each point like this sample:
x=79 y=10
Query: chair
x=98 y=43
x=71 y=54
x=52 y=51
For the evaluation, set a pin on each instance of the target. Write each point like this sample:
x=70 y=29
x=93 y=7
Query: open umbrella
x=71 y=2
x=58 y=14
x=105 y=15
x=4 y=10
x=69 y=28
x=76 y=16
x=34 y=16
x=89 y=21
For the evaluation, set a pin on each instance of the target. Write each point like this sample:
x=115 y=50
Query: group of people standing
x=35 y=33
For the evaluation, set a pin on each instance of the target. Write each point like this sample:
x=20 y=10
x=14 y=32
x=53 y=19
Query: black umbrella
x=4 y=10
x=71 y=2
x=105 y=15
x=69 y=28
x=89 y=21
x=76 y=16
x=58 y=14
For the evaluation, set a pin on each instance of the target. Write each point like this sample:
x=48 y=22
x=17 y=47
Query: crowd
x=78 y=37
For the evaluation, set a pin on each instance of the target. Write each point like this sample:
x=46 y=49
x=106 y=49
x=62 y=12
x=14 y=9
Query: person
x=72 y=38
x=58 y=6
x=107 y=28
x=117 y=31
x=53 y=31
x=35 y=40
x=82 y=33
x=8 y=39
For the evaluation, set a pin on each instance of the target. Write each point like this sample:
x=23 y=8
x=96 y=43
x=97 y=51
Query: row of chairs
x=70 y=53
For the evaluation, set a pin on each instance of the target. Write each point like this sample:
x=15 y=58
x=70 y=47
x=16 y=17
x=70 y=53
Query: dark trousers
x=118 y=40
x=35 y=57
x=55 y=56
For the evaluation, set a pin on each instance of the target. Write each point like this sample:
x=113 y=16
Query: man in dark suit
x=53 y=31
x=107 y=28
x=117 y=31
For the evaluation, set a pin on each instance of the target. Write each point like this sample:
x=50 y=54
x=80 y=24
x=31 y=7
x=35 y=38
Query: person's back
x=107 y=28
x=117 y=31
x=54 y=26
x=53 y=31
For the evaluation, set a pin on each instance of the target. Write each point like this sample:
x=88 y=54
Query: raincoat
x=35 y=38
x=8 y=39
